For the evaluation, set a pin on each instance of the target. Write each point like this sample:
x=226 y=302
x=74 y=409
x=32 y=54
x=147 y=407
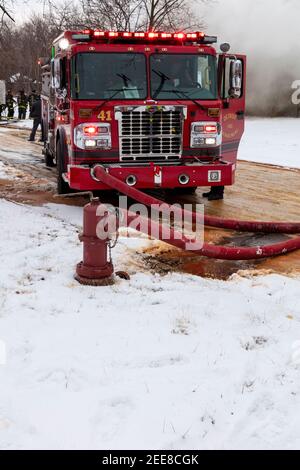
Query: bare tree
x=21 y=47
x=64 y=15
x=169 y=14
x=111 y=14
x=128 y=15
x=140 y=14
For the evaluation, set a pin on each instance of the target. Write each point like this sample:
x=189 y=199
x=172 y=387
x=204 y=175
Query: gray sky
x=22 y=9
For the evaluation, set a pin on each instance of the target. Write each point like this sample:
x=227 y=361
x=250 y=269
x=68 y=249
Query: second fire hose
x=209 y=250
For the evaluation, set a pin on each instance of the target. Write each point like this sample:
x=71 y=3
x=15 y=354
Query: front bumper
x=155 y=176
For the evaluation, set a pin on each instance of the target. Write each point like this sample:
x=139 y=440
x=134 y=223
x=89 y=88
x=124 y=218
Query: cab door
x=232 y=89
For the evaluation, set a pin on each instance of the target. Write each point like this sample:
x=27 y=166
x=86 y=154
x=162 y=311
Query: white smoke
x=268 y=32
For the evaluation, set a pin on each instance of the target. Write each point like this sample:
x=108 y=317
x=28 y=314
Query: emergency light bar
x=197 y=36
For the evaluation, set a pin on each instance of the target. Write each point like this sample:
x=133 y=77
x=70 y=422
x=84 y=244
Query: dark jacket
x=10 y=101
x=36 y=110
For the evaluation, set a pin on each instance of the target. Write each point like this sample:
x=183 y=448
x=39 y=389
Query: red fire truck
x=155 y=109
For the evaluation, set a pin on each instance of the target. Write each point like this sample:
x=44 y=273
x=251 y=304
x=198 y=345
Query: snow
x=155 y=362
x=275 y=141
x=19 y=124
x=24 y=124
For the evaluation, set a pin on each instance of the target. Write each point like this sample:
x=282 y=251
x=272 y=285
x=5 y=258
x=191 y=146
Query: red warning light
x=152 y=35
x=179 y=36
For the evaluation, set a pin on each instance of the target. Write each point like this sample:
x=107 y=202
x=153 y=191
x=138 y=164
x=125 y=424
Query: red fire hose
x=212 y=251
x=100 y=174
x=209 y=250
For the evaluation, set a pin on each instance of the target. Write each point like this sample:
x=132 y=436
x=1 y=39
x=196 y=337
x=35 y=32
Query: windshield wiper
x=183 y=94
x=180 y=93
x=118 y=90
x=100 y=106
x=125 y=79
x=163 y=78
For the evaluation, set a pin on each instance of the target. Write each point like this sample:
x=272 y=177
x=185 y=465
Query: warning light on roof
x=192 y=35
x=179 y=35
x=196 y=36
x=99 y=34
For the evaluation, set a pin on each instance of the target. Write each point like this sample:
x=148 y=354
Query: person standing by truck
x=216 y=193
x=36 y=114
x=31 y=99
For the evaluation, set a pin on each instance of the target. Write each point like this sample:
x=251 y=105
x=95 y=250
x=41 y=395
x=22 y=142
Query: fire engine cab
x=155 y=109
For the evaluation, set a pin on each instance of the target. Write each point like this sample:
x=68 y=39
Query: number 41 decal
x=105 y=116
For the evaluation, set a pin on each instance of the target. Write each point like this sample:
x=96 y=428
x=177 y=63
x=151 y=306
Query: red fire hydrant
x=96 y=269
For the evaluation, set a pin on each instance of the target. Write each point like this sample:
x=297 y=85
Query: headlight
x=206 y=134
x=63 y=44
x=92 y=135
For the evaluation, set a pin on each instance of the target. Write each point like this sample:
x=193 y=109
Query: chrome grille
x=152 y=136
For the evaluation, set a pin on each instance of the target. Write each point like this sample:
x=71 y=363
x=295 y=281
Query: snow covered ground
x=23 y=124
x=275 y=141
x=155 y=362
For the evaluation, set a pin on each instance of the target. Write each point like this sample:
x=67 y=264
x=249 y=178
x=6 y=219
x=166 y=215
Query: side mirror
x=236 y=78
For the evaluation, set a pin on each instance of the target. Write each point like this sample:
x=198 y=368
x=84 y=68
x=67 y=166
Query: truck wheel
x=62 y=186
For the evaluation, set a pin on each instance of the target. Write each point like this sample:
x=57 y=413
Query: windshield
x=184 y=76
x=109 y=76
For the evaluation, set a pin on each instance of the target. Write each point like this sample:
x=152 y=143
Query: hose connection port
x=131 y=180
x=184 y=179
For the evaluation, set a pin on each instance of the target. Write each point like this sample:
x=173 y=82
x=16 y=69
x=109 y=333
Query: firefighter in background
x=10 y=103
x=36 y=115
x=22 y=104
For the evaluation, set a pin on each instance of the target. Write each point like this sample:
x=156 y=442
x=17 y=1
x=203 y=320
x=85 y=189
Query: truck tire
x=62 y=186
